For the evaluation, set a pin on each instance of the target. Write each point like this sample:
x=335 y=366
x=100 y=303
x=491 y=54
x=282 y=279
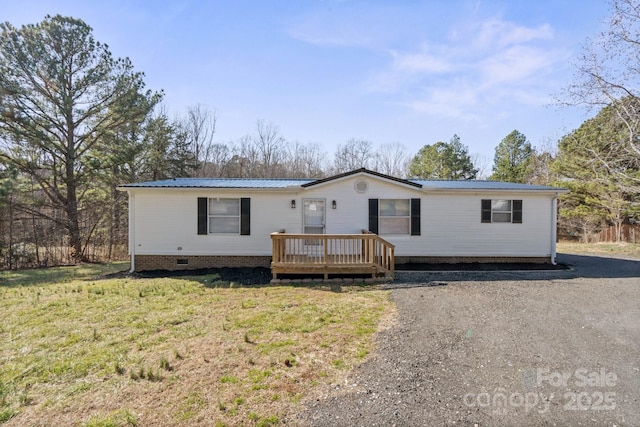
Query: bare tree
x=271 y=148
x=200 y=127
x=609 y=75
x=217 y=165
x=355 y=154
x=540 y=172
x=305 y=161
x=483 y=164
x=392 y=159
x=244 y=163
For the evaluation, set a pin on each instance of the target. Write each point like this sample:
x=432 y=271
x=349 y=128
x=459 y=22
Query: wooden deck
x=326 y=254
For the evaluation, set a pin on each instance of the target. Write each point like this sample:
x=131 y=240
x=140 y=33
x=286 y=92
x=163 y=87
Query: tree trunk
x=73 y=226
x=10 y=232
x=36 y=241
x=73 y=222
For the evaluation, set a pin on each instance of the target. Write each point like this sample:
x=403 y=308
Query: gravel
x=501 y=348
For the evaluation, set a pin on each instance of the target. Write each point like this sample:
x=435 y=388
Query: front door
x=314 y=216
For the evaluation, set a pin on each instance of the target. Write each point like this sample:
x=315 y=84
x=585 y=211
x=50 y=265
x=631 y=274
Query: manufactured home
x=360 y=221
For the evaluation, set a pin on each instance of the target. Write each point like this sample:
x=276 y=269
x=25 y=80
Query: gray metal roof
x=221 y=183
x=481 y=185
x=281 y=183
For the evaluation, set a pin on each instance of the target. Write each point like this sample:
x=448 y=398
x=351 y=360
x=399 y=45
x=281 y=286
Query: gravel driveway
x=502 y=348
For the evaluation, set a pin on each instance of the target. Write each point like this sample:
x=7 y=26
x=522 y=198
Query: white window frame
x=381 y=217
x=495 y=211
x=212 y=216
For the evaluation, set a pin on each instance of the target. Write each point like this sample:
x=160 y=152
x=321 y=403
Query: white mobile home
x=194 y=223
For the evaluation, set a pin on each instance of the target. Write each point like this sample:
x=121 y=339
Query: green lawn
x=172 y=351
x=47 y=276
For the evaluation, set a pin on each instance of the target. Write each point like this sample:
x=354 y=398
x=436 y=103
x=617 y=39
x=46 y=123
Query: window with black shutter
x=224 y=216
x=501 y=210
x=203 y=215
x=245 y=216
x=373 y=215
x=415 y=217
x=394 y=216
x=486 y=210
x=517 y=211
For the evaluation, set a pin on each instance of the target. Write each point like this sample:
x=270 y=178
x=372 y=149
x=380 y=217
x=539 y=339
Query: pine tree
x=61 y=92
x=511 y=162
x=443 y=160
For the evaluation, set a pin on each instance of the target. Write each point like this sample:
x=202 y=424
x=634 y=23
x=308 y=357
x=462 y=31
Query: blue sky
x=325 y=71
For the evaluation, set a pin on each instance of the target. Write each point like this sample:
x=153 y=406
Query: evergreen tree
x=608 y=77
x=443 y=160
x=511 y=162
x=61 y=92
x=599 y=195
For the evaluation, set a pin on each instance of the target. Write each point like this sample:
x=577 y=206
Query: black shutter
x=203 y=214
x=486 y=210
x=373 y=215
x=245 y=216
x=415 y=217
x=517 y=211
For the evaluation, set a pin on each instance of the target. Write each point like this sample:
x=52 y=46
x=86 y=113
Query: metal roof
x=281 y=183
x=362 y=171
x=481 y=185
x=221 y=183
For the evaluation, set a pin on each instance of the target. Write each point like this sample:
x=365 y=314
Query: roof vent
x=361 y=186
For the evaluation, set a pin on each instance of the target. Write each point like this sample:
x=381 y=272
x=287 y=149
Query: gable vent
x=361 y=186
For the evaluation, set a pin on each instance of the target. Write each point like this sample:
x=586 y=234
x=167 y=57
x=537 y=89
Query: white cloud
x=421 y=62
x=469 y=70
x=344 y=26
x=336 y=36
x=515 y=65
x=496 y=33
x=452 y=102
x=479 y=68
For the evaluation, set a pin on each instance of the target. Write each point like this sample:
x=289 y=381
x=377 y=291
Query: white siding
x=451 y=226
x=352 y=212
x=166 y=219
x=450 y=223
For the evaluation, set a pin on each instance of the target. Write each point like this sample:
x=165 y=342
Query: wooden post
x=325 y=243
x=392 y=262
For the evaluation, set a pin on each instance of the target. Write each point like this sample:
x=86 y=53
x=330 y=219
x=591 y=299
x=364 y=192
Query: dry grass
x=175 y=351
x=603 y=248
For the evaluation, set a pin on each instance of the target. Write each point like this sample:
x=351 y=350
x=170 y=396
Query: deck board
x=328 y=254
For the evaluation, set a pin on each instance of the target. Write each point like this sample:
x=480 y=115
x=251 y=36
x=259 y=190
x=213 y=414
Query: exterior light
x=293 y=204
x=334 y=205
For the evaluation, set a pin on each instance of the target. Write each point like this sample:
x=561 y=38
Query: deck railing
x=332 y=254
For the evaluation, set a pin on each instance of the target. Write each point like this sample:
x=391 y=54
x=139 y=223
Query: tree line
x=75 y=122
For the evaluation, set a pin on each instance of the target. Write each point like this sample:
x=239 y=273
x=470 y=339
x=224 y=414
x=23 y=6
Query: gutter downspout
x=132 y=231
x=554 y=227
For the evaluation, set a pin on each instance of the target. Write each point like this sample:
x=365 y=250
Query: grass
x=44 y=276
x=179 y=351
x=604 y=248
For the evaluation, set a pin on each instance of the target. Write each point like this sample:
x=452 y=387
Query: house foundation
x=472 y=259
x=191 y=262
